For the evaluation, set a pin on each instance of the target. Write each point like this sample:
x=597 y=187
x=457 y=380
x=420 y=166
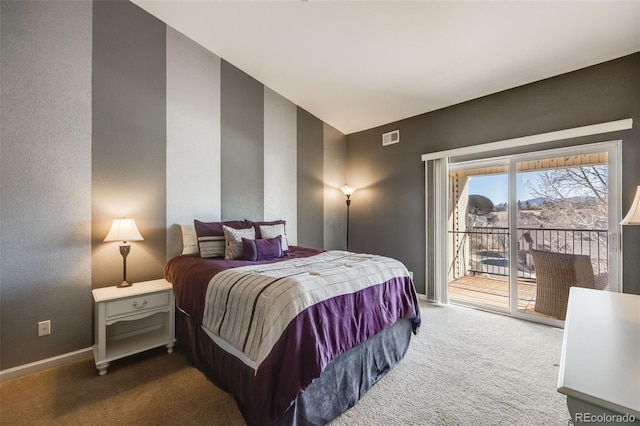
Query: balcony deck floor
x=492 y=292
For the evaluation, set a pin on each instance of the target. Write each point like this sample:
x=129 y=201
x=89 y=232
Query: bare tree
x=573 y=197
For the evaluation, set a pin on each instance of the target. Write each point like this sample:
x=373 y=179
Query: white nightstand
x=133 y=319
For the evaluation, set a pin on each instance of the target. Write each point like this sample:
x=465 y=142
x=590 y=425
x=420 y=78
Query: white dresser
x=600 y=363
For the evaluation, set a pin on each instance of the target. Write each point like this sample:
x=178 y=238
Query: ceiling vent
x=390 y=138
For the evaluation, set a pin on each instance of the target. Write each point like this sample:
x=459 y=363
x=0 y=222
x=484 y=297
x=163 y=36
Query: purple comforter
x=316 y=336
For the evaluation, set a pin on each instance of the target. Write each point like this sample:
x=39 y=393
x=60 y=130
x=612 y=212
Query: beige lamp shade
x=123 y=230
x=633 y=217
x=348 y=190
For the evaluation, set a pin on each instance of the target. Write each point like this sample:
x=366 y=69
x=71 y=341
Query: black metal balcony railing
x=486 y=249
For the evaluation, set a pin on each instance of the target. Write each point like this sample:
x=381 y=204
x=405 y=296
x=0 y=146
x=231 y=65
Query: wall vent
x=390 y=138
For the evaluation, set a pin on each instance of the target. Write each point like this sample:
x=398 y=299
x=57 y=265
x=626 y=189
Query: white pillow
x=233 y=239
x=189 y=240
x=272 y=231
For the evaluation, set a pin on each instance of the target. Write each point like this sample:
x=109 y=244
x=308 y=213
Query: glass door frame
x=435 y=182
x=479 y=164
x=614 y=186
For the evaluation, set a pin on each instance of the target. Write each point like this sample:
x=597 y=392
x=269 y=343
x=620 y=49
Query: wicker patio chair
x=555 y=274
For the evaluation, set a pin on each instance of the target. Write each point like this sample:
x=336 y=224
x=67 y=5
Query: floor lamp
x=348 y=191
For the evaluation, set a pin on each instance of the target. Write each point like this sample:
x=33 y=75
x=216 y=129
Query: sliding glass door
x=566 y=223
x=523 y=229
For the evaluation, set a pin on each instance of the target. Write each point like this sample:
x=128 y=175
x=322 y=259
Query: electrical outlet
x=44 y=327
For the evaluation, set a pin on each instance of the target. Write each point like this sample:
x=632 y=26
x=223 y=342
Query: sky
x=495 y=187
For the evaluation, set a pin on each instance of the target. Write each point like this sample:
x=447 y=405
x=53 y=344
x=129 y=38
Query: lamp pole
x=348 y=191
x=348 y=204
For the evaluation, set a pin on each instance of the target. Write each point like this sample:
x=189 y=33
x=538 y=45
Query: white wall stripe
x=193 y=136
x=280 y=162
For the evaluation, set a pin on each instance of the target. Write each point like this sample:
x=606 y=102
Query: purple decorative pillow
x=210 y=235
x=262 y=249
x=266 y=230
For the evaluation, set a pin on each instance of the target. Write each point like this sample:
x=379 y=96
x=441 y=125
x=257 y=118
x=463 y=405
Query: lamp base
x=124 y=284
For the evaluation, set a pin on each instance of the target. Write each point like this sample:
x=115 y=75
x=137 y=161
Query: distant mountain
x=540 y=200
x=536 y=201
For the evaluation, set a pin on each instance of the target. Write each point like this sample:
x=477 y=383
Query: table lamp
x=633 y=217
x=124 y=230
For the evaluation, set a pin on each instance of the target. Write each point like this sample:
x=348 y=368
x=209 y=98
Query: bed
x=296 y=338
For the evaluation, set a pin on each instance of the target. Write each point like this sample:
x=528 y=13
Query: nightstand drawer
x=137 y=304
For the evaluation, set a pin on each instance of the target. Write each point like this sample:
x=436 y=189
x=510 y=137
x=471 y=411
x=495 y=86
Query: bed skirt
x=354 y=372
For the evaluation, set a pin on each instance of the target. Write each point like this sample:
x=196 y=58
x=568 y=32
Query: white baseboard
x=23 y=370
x=425 y=298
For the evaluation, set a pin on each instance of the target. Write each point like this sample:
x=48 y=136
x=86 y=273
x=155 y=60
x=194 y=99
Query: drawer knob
x=137 y=306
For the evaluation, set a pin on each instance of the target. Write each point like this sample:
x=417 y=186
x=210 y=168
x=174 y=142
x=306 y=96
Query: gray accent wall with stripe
x=310 y=190
x=124 y=116
x=128 y=170
x=242 y=151
x=107 y=112
x=45 y=179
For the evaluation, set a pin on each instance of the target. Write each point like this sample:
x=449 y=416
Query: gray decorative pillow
x=233 y=240
x=272 y=231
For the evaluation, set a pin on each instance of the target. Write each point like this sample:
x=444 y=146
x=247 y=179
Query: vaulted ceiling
x=360 y=64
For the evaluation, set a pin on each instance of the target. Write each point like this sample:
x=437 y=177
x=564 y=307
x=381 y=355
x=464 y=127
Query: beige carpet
x=465 y=367
x=148 y=389
x=468 y=367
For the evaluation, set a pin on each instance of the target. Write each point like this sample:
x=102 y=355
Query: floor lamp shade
x=124 y=230
x=633 y=217
x=348 y=190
